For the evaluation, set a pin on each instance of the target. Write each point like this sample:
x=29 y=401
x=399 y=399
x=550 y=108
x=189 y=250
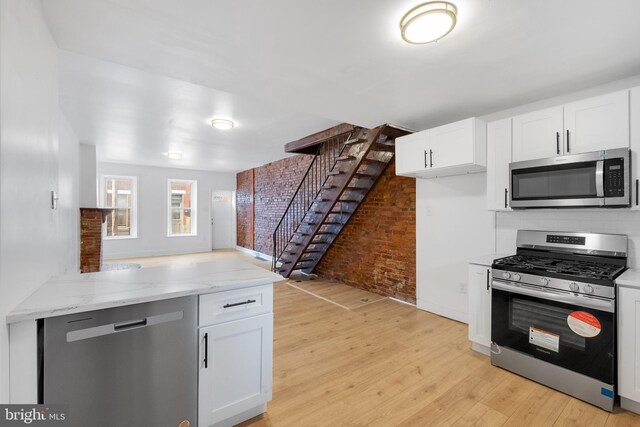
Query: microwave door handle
x=600 y=178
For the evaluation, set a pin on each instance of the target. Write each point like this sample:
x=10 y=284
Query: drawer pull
x=235 y=304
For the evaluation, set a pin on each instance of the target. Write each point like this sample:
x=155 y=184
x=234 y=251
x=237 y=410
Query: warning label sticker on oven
x=544 y=339
x=584 y=324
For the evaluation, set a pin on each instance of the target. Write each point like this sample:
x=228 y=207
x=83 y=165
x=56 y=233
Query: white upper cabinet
x=593 y=124
x=412 y=153
x=635 y=146
x=598 y=123
x=538 y=135
x=498 y=159
x=450 y=144
x=454 y=149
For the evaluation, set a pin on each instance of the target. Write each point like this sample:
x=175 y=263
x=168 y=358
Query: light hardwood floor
x=389 y=364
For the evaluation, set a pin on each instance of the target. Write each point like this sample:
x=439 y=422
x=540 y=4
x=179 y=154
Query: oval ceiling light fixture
x=173 y=155
x=222 y=124
x=428 y=22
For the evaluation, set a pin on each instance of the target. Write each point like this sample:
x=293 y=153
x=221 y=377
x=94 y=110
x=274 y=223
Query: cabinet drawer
x=237 y=304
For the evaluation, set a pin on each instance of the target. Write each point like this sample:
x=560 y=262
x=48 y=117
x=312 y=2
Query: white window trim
x=194 y=207
x=134 y=205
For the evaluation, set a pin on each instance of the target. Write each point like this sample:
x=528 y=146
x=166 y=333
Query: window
x=120 y=194
x=182 y=198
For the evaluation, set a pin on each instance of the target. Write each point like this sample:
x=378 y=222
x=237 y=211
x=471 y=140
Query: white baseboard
x=255 y=253
x=443 y=311
x=142 y=254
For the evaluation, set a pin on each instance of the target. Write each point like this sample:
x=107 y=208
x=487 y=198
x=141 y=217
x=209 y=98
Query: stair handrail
x=318 y=186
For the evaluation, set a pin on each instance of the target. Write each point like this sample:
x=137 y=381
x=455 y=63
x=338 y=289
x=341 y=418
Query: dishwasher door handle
x=115 y=328
x=130 y=324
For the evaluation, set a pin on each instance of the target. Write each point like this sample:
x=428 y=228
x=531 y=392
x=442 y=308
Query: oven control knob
x=506 y=275
x=517 y=277
x=574 y=287
x=544 y=281
x=588 y=289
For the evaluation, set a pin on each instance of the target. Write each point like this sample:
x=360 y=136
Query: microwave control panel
x=614 y=177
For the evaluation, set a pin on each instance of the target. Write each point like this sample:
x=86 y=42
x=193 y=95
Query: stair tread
x=355 y=141
x=373 y=161
x=328 y=187
x=313 y=252
x=333 y=223
x=345 y=158
x=365 y=175
x=332 y=173
x=348 y=201
x=356 y=188
x=325 y=232
x=377 y=146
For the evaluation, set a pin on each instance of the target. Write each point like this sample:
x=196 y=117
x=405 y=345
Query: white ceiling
x=298 y=66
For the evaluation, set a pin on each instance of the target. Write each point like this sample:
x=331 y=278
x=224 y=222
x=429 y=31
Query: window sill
x=119 y=237
x=182 y=235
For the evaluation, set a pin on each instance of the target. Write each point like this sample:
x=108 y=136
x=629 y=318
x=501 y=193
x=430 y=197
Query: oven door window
x=570 y=181
x=541 y=328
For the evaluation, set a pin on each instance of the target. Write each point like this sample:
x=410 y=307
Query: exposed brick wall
x=244 y=209
x=274 y=185
x=376 y=250
x=90 y=239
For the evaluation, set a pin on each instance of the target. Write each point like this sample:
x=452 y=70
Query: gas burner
x=571 y=268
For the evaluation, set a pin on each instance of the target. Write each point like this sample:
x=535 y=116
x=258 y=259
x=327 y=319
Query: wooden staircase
x=345 y=168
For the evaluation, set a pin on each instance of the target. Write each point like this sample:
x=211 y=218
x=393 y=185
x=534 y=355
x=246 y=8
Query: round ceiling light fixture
x=174 y=155
x=428 y=22
x=222 y=124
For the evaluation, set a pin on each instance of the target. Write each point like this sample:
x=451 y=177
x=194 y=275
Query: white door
x=222 y=214
x=599 y=123
x=237 y=374
x=498 y=159
x=479 y=288
x=412 y=153
x=452 y=144
x=538 y=135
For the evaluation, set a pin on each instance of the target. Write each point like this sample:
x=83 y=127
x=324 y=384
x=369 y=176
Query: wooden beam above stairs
x=309 y=144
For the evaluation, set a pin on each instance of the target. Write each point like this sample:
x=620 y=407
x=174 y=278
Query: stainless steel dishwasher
x=128 y=366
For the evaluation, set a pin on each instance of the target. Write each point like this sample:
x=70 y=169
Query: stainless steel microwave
x=599 y=178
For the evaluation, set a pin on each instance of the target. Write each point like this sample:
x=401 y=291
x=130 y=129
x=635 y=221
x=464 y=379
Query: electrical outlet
x=463 y=288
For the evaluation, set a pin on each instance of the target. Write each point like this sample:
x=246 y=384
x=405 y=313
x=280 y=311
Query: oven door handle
x=568 y=298
x=600 y=178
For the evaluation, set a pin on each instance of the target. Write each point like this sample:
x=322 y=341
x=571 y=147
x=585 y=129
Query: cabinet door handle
x=488 y=278
x=568 y=149
x=431 y=158
x=235 y=304
x=425 y=159
x=506 y=205
x=206 y=350
x=636 y=192
x=558 y=142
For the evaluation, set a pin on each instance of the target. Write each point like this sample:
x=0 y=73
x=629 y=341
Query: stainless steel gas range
x=553 y=313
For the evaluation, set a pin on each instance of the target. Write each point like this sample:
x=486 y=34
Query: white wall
x=38 y=153
x=88 y=176
x=152 y=211
x=452 y=226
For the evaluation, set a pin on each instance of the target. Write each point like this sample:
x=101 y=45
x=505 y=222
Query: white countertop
x=93 y=291
x=487 y=259
x=630 y=278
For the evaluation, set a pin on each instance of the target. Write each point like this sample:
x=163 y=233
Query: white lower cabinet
x=236 y=360
x=479 y=291
x=629 y=348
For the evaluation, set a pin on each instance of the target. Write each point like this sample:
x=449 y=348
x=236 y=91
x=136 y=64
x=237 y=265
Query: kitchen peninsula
x=218 y=314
